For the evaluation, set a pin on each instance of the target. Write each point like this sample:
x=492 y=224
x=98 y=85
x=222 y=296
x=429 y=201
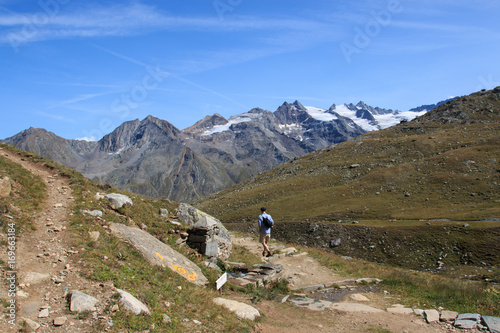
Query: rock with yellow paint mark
x=159 y=253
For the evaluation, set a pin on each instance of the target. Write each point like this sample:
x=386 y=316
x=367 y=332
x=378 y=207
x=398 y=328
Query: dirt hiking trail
x=49 y=269
x=47 y=263
x=356 y=306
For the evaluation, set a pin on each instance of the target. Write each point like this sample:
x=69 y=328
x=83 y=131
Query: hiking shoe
x=269 y=254
x=264 y=253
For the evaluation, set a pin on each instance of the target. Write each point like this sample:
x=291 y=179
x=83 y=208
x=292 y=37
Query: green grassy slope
x=443 y=165
x=110 y=260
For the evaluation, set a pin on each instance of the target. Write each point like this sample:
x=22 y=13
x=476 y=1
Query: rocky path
x=47 y=267
x=354 y=309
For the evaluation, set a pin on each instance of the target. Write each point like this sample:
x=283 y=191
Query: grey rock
x=311 y=303
x=81 y=302
x=418 y=312
x=44 y=313
x=32 y=324
x=241 y=310
x=313 y=287
x=95 y=213
x=431 y=315
x=117 y=201
x=159 y=253
x=448 y=316
x=493 y=323
x=131 y=303
x=59 y=321
x=166 y=319
x=335 y=242
x=164 y=212
x=467 y=320
x=217 y=241
x=368 y=280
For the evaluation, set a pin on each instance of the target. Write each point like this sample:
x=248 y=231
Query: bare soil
x=303 y=271
x=51 y=249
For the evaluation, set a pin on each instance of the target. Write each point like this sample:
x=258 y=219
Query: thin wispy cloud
x=56 y=117
x=120 y=20
x=80 y=98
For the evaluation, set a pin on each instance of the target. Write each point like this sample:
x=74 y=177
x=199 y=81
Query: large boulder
x=117 y=201
x=242 y=310
x=159 y=253
x=207 y=234
x=81 y=302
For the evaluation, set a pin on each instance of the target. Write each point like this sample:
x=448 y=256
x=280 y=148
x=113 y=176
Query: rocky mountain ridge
x=154 y=158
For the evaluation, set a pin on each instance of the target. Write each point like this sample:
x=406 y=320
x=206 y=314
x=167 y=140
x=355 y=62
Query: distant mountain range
x=154 y=158
x=442 y=165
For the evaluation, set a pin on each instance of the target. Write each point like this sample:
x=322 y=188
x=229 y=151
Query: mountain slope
x=154 y=158
x=444 y=164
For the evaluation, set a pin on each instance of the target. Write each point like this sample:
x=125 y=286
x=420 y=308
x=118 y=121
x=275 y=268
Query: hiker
x=265 y=224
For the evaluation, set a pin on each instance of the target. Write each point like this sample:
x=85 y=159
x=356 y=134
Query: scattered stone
x=159 y=253
x=493 y=323
x=431 y=316
x=44 y=313
x=59 y=321
x=164 y=212
x=467 y=320
x=448 y=316
x=95 y=213
x=282 y=299
x=115 y=308
x=117 y=201
x=313 y=287
x=368 y=280
x=94 y=235
x=358 y=298
x=58 y=205
x=32 y=324
x=166 y=319
x=335 y=243
x=131 y=303
x=288 y=251
x=81 y=302
x=311 y=303
x=418 y=312
x=242 y=310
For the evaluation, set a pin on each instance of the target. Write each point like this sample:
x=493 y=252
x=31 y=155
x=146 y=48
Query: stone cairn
x=207 y=234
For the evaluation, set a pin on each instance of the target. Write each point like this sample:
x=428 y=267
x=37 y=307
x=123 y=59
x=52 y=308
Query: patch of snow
x=117 y=152
x=320 y=114
x=222 y=128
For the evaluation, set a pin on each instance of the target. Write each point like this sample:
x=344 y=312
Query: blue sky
x=81 y=68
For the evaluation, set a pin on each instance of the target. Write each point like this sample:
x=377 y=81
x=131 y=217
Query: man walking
x=265 y=224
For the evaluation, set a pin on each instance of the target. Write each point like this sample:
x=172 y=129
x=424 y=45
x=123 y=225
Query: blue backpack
x=266 y=222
